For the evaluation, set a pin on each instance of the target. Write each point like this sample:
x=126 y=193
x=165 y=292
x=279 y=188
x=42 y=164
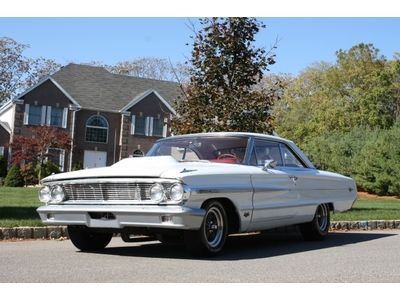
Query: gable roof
x=97 y=89
x=5 y=126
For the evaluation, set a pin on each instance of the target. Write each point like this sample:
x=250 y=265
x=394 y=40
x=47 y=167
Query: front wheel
x=86 y=240
x=211 y=237
x=318 y=228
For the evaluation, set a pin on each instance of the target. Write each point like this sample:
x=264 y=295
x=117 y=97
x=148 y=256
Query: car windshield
x=216 y=149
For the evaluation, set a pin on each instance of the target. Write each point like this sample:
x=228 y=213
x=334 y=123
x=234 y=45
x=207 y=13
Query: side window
x=289 y=159
x=265 y=150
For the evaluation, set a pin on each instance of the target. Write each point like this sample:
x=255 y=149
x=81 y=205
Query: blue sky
x=302 y=41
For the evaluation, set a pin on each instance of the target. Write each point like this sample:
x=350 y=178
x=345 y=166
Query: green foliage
x=362 y=89
x=3 y=166
x=14 y=177
x=77 y=166
x=224 y=70
x=371 y=157
x=29 y=174
x=378 y=163
x=47 y=169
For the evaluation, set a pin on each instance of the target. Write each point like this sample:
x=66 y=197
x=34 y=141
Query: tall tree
x=224 y=70
x=361 y=89
x=34 y=148
x=18 y=72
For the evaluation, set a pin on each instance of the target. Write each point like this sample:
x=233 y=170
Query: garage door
x=94 y=159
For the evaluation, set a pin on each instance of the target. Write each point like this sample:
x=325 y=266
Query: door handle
x=293 y=177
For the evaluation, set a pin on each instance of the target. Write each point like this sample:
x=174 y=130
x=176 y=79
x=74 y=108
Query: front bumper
x=120 y=216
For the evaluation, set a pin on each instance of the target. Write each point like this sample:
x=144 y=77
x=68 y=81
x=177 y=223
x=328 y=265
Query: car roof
x=217 y=134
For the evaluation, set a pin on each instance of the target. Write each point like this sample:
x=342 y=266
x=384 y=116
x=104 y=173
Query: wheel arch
x=231 y=211
x=331 y=206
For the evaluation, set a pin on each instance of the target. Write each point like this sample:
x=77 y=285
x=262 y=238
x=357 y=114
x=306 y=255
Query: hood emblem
x=187 y=171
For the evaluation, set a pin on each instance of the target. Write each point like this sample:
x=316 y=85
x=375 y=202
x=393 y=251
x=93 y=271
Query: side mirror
x=269 y=164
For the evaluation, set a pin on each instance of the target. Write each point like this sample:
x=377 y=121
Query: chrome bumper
x=120 y=216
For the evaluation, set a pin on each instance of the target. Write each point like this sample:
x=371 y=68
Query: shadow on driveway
x=252 y=246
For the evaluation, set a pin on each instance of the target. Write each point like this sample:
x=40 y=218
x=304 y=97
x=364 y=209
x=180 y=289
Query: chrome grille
x=108 y=191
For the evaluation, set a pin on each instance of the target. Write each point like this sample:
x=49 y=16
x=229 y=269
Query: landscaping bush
x=29 y=174
x=377 y=166
x=336 y=152
x=3 y=166
x=371 y=157
x=14 y=177
x=77 y=166
x=48 y=168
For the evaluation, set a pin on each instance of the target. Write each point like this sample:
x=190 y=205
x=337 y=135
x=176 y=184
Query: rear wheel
x=211 y=237
x=87 y=240
x=318 y=228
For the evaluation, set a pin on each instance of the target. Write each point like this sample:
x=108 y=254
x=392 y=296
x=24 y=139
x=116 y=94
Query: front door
x=94 y=159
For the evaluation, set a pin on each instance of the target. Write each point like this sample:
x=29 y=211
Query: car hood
x=152 y=166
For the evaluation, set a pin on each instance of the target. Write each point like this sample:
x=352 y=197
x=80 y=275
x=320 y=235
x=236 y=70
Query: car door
x=274 y=196
x=310 y=189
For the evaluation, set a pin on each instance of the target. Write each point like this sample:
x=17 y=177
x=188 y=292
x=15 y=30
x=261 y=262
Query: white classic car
x=198 y=188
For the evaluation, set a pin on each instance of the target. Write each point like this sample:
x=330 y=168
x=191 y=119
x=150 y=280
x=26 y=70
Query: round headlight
x=45 y=194
x=57 y=194
x=157 y=192
x=176 y=192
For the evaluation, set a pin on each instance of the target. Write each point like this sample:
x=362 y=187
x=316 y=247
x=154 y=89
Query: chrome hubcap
x=322 y=217
x=214 y=227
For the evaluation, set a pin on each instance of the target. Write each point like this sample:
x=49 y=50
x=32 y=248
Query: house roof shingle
x=96 y=88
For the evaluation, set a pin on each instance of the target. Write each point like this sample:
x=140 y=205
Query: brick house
x=109 y=116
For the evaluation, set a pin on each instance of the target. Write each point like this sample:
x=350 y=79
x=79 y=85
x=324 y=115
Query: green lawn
x=371 y=209
x=18 y=208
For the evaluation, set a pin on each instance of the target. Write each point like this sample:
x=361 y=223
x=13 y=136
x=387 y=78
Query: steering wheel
x=227 y=156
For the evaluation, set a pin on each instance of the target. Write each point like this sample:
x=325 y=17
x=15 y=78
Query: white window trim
x=65 y=118
x=146 y=126
x=151 y=121
x=43 y=116
x=48 y=117
x=62 y=160
x=26 y=114
x=99 y=127
x=165 y=127
x=133 y=122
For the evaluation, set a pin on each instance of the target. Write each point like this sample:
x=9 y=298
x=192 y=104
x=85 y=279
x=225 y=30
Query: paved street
x=343 y=257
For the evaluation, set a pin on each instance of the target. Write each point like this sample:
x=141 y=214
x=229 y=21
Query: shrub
x=48 y=168
x=371 y=157
x=77 y=166
x=28 y=172
x=3 y=166
x=377 y=166
x=14 y=177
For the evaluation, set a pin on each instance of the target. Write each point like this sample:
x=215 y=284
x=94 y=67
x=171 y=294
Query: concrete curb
x=23 y=233
x=60 y=232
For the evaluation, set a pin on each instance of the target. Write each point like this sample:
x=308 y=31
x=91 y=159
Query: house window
x=35 y=115
x=97 y=129
x=158 y=126
x=1 y=150
x=138 y=153
x=56 y=116
x=140 y=125
x=57 y=157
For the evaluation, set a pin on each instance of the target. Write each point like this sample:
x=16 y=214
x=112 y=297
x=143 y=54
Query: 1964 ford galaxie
x=198 y=188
